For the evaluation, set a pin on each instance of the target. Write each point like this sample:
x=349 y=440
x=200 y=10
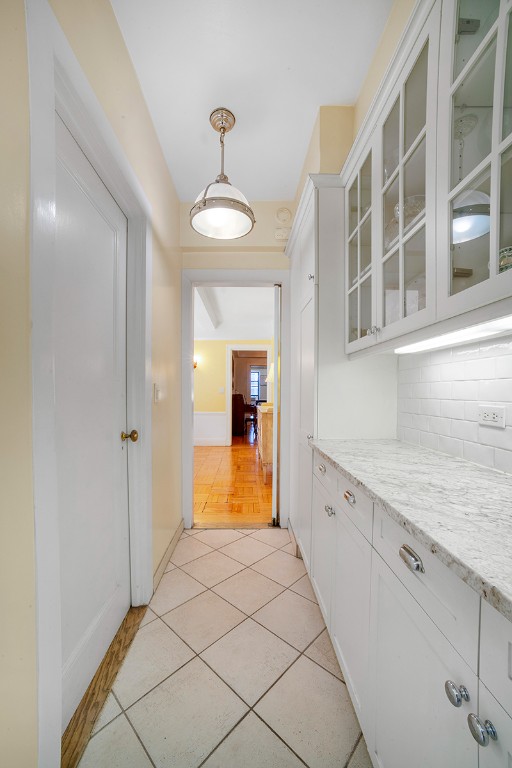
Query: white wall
x=438 y=397
x=210 y=428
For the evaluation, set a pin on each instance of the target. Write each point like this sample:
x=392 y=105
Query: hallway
x=229 y=490
x=232 y=667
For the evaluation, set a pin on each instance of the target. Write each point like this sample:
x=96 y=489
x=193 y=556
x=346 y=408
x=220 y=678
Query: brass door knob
x=133 y=436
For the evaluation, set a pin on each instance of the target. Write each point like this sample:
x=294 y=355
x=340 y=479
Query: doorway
x=229 y=279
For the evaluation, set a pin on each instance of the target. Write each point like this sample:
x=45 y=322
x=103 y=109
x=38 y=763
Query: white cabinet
x=302 y=520
x=413 y=723
x=350 y=609
x=496 y=753
x=323 y=541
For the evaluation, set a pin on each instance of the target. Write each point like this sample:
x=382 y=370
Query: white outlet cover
x=490 y=415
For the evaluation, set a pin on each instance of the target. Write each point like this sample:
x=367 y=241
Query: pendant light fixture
x=471 y=209
x=221 y=211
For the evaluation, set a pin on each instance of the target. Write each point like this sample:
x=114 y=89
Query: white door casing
x=89 y=359
x=56 y=80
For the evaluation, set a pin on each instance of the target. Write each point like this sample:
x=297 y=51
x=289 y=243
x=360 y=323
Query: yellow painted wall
x=210 y=374
x=94 y=35
x=18 y=697
x=395 y=26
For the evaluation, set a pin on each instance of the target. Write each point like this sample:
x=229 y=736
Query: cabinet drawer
x=326 y=474
x=496 y=655
x=356 y=505
x=451 y=604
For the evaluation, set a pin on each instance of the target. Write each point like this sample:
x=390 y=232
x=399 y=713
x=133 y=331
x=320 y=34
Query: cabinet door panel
x=307 y=371
x=307 y=256
x=497 y=754
x=413 y=723
x=350 y=609
x=304 y=502
x=323 y=536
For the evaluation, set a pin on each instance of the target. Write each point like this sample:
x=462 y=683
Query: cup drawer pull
x=411 y=559
x=349 y=496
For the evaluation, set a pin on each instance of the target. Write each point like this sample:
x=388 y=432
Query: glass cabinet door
x=359 y=272
x=477 y=157
x=403 y=194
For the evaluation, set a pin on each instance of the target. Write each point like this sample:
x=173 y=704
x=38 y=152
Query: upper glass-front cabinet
x=390 y=281
x=475 y=155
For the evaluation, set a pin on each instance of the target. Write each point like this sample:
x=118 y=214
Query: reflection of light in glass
x=481 y=331
x=471 y=216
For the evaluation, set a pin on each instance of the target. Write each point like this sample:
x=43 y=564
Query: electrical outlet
x=491 y=415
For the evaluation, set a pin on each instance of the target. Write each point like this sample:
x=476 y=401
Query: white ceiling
x=272 y=62
x=241 y=313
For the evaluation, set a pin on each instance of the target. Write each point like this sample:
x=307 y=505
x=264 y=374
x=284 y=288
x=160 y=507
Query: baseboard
x=296 y=547
x=209 y=441
x=167 y=555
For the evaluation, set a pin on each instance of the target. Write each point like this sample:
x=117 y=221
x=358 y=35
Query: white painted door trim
x=190 y=279
x=230 y=348
x=57 y=82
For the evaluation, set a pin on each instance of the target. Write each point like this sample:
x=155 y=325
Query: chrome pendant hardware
x=456 y=693
x=322 y=469
x=311 y=277
x=481 y=732
x=349 y=496
x=330 y=511
x=411 y=559
x=133 y=436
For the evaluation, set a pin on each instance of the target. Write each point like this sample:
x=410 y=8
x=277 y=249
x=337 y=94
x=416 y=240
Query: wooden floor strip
x=78 y=732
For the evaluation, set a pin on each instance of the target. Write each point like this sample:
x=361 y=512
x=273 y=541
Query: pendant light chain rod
x=222 y=134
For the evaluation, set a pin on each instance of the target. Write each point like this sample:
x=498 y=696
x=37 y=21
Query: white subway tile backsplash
x=453 y=409
x=439 y=396
x=465 y=390
x=429 y=440
x=440 y=426
x=503 y=460
x=496 y=390
x=504 y=367
x=450 y=445
x=479 y=454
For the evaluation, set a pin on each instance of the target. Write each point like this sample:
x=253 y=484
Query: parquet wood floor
x=229 y=491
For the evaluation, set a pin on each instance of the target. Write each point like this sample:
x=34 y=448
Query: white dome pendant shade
x=221 y=211
x=471 y=216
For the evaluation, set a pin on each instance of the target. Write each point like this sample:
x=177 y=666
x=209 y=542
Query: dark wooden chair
x=237 y=415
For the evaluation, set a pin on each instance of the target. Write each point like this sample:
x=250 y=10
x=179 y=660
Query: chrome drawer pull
x=456 y=693
x=322 y=469
x=309 y=437
x=411 y=559
x=349 y=496
x=311 y=277
x=481 y=731
x=330 y=511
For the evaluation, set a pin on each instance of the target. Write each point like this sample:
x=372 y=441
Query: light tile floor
x=232 y=667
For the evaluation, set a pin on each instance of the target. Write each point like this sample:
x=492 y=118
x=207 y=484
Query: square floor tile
x=218 y=537
x=248 y=590
x=116 y=746
x=182 y=720
x=275 y=537
x=253 y=745
x=155 y=653
x=303 y=587
x=188 y=549
x=247 y=550
x=249 y=659
x=212 y=568
x=149 y=616
x=203 y=620
x=169 y=567
x=323 y=653
x=289 y=549
x=174 y=589
x=293 y=618
x=311 y=710
x=280 y=567
x=360 y=758
x=110 y=710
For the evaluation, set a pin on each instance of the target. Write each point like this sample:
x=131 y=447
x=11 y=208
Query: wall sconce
x=195 y=362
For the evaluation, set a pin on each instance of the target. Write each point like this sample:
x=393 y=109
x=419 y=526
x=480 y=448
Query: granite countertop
x=461 y=512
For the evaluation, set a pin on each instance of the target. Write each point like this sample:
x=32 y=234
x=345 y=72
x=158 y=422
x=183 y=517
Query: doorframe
x=56 y=82
x=230 y=348
x=190 y=279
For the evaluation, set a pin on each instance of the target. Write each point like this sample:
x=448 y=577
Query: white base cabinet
x=323 y=542
x=413 y=722
x=497 y=753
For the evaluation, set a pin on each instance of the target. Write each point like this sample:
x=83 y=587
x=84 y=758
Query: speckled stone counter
x=460 y=511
